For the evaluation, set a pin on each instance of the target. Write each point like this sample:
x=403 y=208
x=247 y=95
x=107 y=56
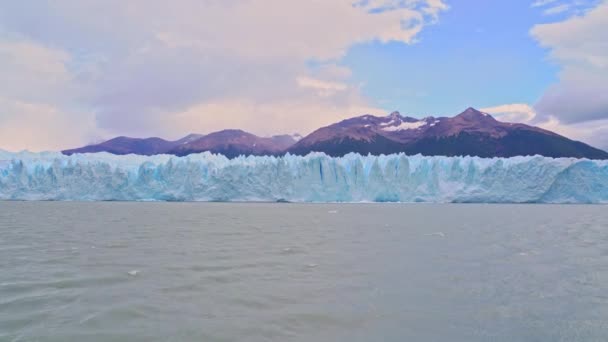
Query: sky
x=77 y=72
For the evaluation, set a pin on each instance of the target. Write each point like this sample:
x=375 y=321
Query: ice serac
x=312 y=178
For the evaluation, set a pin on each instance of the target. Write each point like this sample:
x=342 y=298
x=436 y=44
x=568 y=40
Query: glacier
x=312 y=178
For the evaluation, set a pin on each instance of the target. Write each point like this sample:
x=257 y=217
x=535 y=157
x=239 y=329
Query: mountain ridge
x=471 y=132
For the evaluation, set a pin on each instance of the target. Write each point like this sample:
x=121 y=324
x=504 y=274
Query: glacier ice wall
x=313 y=178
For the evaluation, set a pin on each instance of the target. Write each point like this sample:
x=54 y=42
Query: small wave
x=440 y=234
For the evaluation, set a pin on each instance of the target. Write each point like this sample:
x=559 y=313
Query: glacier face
x=313 y=178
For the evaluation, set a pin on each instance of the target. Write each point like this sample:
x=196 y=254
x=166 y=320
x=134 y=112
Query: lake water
x=302 y=272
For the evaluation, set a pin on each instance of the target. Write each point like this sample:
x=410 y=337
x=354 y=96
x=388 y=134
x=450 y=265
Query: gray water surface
x=289 y=272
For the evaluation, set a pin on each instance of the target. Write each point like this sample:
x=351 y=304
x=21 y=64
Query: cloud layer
x=74 y=72
x=579 y=45
x=593 y=132
x=158 y=68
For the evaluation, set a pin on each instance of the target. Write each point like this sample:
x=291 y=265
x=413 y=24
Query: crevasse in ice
x=313 y=178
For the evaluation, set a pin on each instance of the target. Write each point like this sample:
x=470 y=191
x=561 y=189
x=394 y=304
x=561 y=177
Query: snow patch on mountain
x=405 y=126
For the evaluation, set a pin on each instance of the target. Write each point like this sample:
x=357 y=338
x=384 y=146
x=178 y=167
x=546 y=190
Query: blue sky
x=71 y=76
x=479 y=54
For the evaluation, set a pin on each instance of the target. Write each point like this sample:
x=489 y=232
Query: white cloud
x=556 y=9
x=430 y=7
x=579 y=39
x=593 y=132
x=263 y=118
x=42 y=60
x=580 y=46
x=278 y=28
x=35 y=85
x=435 y=7
x=516 y=112
x=540 y=3
x=33 y=72
x=159 y=64
x=323 y=88
x=41 y=127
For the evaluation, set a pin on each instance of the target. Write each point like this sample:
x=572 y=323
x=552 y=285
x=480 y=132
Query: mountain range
x=471 y=132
